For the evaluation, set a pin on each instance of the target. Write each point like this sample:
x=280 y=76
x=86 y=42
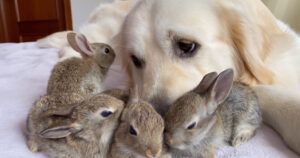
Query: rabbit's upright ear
x=206 y=82
x=134 y=95
x=60 y=131
x=80 y=44
x=132 y=101
x=220 y=89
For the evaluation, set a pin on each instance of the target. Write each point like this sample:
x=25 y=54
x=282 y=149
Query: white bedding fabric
x=24 y=71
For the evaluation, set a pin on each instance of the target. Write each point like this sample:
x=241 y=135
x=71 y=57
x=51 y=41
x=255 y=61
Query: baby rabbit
x=211 y=114
x=82 y=76
x=140 y=133
x=35 y=120
x=64 y=128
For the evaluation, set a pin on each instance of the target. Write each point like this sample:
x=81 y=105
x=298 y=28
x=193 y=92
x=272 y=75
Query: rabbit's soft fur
x=83 y=76
x=34 y=122
x=62 y=125
x=148 y=126
x=214 y=113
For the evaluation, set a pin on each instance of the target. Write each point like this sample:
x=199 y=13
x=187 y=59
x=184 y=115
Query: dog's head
x=168 y=45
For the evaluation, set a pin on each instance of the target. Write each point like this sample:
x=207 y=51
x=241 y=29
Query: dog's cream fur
x=238 y=34
x=280 y=108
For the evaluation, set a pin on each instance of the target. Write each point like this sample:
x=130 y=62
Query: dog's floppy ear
x=251 y=27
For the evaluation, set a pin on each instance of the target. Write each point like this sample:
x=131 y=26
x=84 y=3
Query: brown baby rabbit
x=77 y=129
x=140 y=134
x=213 y=113
x=83 y=76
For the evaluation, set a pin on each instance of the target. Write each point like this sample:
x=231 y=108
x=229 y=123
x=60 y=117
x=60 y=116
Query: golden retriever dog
x=167 y=46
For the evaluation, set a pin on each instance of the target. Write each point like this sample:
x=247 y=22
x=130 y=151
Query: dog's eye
x=132 y=131
x=137 y=62
x=106 y=113
x=185 y=48
x=191 y=126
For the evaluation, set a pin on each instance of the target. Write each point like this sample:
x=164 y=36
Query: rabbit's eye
x=132 y=131
x=106 y=50
x=106 y=113
x=191 y=126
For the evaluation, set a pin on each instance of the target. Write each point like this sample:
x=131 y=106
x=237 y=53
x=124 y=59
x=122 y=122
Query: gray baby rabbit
x=83 y=76
x=211 y=114
x=70 y=128
x=140 y=134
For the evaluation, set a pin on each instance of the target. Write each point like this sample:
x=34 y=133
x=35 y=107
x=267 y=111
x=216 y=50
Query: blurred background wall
x=81 y=9
x=287 y=11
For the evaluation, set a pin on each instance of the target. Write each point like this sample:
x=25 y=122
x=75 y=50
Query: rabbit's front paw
x=242 y=137
x=33 y=146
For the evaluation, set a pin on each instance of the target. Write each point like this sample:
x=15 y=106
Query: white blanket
x=24 y=72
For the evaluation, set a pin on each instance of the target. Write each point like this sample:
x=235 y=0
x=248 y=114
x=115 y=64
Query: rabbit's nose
x=169 y=140
x=153 y=154
x=149 y=153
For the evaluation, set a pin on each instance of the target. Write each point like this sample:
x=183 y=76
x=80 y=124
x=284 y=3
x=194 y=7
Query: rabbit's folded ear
x=206 y=82
x=60 y=111
x=220 y=89
x=80 y=44
x=119 y=94
x=60 y=131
